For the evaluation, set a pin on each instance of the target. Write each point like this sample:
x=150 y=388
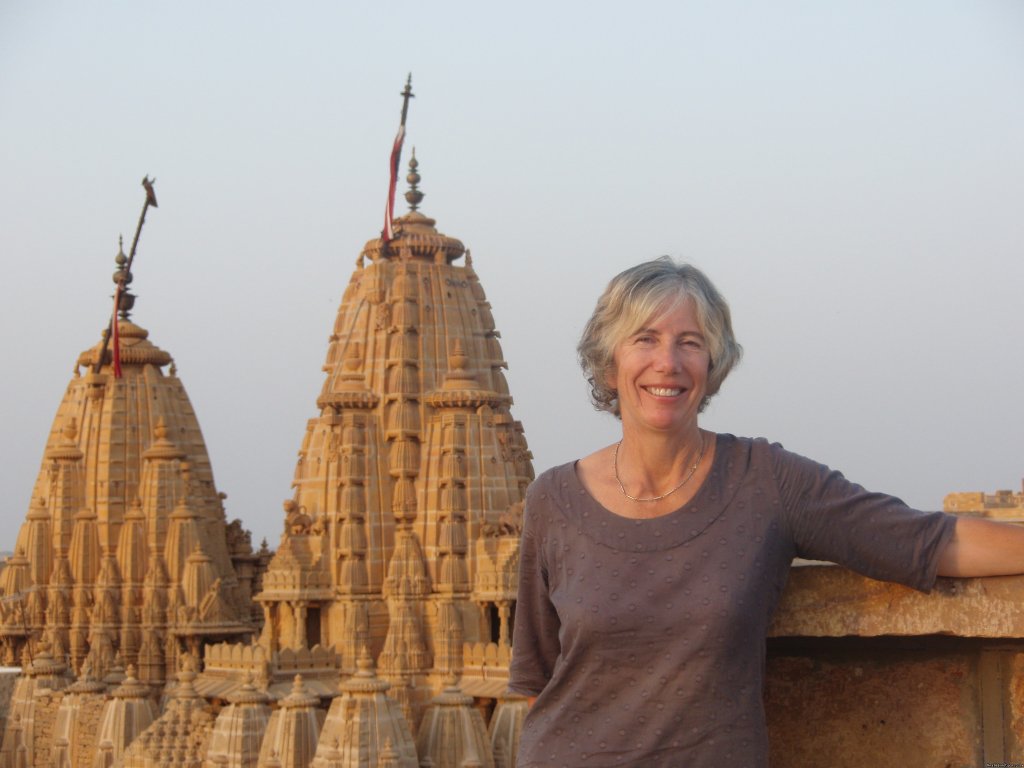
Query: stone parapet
x=825 y=600
x=485 y=669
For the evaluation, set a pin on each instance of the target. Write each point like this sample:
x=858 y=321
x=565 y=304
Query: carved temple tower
x=401 y=537
x=125 y=552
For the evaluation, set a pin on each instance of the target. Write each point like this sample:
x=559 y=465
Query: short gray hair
x=632 y=299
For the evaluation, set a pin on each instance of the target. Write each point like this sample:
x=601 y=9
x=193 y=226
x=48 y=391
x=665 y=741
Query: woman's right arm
x=535 y=646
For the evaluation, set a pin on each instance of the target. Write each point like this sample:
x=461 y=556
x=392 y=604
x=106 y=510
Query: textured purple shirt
x=644 y=639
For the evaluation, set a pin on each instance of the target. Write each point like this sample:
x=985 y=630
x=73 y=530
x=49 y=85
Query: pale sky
x=849 y=173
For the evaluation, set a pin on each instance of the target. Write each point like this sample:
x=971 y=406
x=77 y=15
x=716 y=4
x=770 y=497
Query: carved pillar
x=299 y=624
x=504 y=614
x=269 y=637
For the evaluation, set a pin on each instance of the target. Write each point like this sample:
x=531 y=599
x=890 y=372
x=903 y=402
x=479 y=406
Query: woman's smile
x=664 y=391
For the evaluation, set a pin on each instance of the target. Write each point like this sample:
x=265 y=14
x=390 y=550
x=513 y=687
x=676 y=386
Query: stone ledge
x=825 y=600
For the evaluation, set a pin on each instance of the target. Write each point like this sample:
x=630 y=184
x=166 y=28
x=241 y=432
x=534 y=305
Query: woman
x=649 y=570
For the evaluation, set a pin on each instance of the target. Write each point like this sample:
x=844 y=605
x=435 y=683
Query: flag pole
x=147 y=184
x=122 y=284
x=387 y=234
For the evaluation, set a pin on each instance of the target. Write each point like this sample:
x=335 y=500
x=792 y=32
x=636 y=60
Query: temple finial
x=123 y=277
x=413 y=197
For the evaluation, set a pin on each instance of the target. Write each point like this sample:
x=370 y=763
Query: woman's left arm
x=983 y=548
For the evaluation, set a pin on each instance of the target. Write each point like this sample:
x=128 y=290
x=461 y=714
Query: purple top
x=644 y=639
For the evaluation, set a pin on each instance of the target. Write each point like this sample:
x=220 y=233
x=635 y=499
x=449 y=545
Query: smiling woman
x=650 y=569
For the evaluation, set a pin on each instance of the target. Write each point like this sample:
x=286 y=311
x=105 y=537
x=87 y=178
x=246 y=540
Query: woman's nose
x=667 y=358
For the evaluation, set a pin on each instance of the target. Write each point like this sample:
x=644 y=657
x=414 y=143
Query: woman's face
x=661 y=371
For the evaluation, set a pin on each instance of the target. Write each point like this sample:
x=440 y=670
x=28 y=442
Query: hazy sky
x=850 y=174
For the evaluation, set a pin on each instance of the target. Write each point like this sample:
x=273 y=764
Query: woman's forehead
x=669 y=309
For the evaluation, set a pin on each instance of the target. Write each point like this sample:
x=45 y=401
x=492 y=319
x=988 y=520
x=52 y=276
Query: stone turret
x=293 y=730
x=504 y=729
x=180 y=736
x=239 y=730
x=33 y=706
x=364 y=724
x=77 y=718
x=129 y=711
x=453 y=732
x=125 y=548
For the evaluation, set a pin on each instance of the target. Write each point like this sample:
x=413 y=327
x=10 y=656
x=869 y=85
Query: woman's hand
x=983 y=548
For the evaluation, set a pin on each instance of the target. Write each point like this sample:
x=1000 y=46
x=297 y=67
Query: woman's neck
x=655 y=455
x=651 y=464
x=598 y=474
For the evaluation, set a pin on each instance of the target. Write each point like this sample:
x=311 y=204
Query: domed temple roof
x=397 y=536
x=126 y=527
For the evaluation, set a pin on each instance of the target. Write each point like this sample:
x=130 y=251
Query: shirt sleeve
x=874 y=534
x=535 y=644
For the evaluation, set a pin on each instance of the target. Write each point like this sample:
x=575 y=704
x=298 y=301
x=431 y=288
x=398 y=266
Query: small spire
x=414 y=197
x=365 y=662
x=353 y=357
x=457 y=358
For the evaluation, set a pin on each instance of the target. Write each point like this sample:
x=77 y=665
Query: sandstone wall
x=863 y=673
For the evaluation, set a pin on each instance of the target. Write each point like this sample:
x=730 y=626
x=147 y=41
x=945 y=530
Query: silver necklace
x=615 y=467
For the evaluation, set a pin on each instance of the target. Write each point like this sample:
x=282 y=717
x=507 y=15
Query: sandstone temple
x=125 y=556
x=142 y=629
x=378 y=633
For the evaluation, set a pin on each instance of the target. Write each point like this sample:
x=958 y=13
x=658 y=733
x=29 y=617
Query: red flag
x=388 y=233
x=116 y=352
